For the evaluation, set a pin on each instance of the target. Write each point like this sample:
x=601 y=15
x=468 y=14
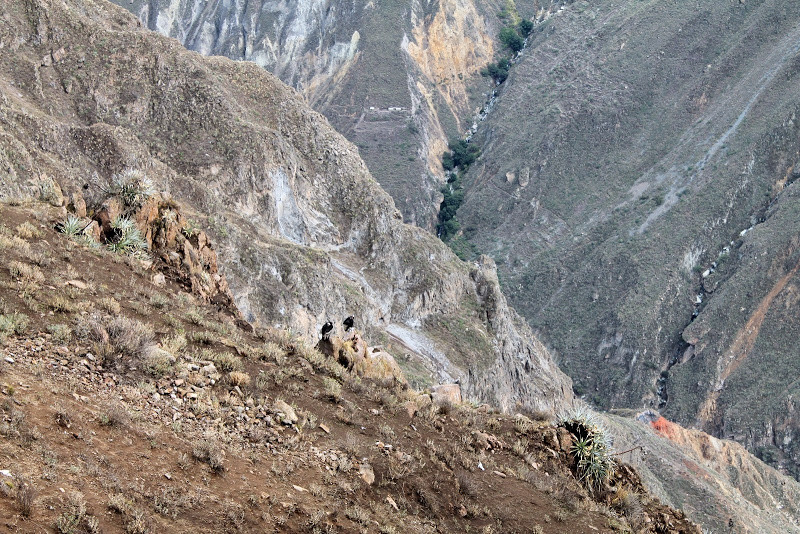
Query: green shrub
x=462 y=154
x=511 y=39
x=497 y=71
x=525 y=27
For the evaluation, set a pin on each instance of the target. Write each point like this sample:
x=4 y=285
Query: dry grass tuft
x=62 y=334
x=333 y=389
x=25 y=495
x=211 y=452
x=109 y=305
x=239 y=378
x=226 y=362
x=26 y=273
x=127 y=337
x=115 y=415
x=28 y=231
x=74 y=518
x=13 y=323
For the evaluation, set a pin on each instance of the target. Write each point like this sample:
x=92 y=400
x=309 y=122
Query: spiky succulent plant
x=591 y=447
x=133 y=187
x=72 y=226
x=128 y=239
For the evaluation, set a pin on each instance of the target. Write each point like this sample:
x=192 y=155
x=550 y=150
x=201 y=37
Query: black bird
x=348 y=323
x=327 y=328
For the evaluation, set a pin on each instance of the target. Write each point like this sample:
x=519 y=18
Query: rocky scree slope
x=304 y=233
x=638 y=193
x=129 y=404
x=395 y=77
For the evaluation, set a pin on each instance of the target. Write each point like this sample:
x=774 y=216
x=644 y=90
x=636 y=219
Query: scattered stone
x=325 y=428
x=392 y=503
x=500 y=474
x=76 y=283
x=564 y=439
x=367 y=474
x=411 y=408
x=9 y=359
x=159 y=280
x=167 y=476
x=285 y=413
x=77 y=204
x=59 y=54
x=299 y=488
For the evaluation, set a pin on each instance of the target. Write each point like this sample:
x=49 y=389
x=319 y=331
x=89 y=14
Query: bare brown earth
x=178 y=448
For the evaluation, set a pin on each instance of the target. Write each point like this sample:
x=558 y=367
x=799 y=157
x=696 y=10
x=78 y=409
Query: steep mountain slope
x=637 y=192
x=305 y=234
x=395 y=77
x=718 y=483
x=131 y=406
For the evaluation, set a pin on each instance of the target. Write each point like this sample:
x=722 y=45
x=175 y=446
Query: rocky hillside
x=130 y=403
x=304 y=233
x=395 y=77
x=637 y=192
x=718 y=483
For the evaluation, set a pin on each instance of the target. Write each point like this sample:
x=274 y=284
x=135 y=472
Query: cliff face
x=638 y=193
x=393 y=77
x=304 y=233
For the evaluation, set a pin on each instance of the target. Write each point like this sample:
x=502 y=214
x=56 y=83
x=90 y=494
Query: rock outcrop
x=716 y=482
x=303 y=232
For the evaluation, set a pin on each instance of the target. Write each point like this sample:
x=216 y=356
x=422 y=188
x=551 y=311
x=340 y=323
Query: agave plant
x=128 y=239
x=72 y=226
x=133 y=187
x=591 y=447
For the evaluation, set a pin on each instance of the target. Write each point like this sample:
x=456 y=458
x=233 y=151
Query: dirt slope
x=126 y=406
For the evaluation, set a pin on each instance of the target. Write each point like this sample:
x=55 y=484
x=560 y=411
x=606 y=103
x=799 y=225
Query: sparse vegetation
x=13 y=324
x=24 y=493
x=74 y=519
x=210 y=452
x=127 y=238
x=133 y=187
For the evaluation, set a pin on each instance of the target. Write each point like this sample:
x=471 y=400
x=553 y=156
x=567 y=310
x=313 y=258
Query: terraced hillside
x=637 y=192
x=395 y=77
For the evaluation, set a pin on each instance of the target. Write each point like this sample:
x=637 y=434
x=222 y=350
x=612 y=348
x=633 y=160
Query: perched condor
x=327 y=328
x=348 y=323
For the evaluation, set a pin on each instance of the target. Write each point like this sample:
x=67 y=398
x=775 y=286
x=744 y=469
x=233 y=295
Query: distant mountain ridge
x=395 y=77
